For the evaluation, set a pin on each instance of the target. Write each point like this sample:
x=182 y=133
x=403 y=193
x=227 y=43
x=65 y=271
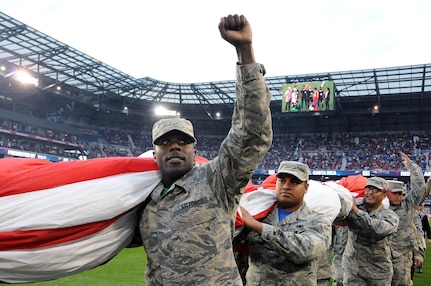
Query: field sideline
x=127 y=269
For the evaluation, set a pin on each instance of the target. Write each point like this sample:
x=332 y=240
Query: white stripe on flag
x=21 y=266
x=76 y=204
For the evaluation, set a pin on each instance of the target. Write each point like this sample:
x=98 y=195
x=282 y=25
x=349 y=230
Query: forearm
x=378 y=228
x=299 y=247
x=250 y=135
x=418 y=186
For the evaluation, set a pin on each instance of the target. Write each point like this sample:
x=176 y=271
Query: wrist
x=245 y=54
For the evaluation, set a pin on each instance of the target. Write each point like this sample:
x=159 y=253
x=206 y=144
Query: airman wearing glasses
x=367 y=256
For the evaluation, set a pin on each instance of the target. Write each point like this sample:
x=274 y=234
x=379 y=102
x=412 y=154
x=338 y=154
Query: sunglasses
x=168 y=141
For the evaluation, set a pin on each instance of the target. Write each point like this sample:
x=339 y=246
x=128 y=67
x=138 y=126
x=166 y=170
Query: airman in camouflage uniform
x=284 y=247
x=186 y=225
x=367 y=256
x=403 y=241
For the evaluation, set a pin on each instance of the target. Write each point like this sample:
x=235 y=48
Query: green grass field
x=127 y=269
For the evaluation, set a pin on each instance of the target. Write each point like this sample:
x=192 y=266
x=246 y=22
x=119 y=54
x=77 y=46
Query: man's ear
x=194 y=156
x=154 y=156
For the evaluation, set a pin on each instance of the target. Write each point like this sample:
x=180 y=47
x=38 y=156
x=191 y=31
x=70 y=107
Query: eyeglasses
x=398 y=193
x=373 y=189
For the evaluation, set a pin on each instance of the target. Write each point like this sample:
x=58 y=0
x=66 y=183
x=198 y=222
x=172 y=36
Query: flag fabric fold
x=59 y=219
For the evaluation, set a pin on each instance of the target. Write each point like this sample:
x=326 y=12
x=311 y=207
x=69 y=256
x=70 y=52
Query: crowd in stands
x=336 y=152
x=33 y=145
x=371 y=151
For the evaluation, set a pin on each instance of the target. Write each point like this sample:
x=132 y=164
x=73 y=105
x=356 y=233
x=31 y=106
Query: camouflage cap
x=297 y=169
x=166 y=125
x=378 y=183
x=396 y=186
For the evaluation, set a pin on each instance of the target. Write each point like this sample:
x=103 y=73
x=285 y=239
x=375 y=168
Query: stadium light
x=375 y=109
x=125 y=110
x=162 y=111
x=26 y=78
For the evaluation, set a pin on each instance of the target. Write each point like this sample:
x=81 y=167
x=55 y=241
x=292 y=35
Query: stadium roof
x=26 y=47
x=89 y=81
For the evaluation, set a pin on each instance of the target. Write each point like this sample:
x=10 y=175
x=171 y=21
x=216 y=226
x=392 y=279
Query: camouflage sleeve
x=418 y=187
x=420 y=246
x=428 y=188
x=380 y=227
x=418 y=225
x=300 y=246
x=250 y=135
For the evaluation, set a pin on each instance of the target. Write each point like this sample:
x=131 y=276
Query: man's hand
x=246 y=217
x=418 y=263
x=355 y=208
x=236 y=30
x=406 y=158
x=250 y=221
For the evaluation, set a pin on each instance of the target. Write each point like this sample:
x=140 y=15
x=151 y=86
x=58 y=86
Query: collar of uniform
x=159 y=192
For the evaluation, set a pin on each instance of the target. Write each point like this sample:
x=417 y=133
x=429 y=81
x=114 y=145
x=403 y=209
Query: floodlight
x=375 y=109
x=26 y=78
x=162 y=111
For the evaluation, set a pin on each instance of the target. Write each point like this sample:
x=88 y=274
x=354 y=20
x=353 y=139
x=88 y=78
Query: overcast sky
x=179 y=41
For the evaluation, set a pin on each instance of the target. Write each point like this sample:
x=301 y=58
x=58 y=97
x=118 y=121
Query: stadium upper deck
x=74 y=88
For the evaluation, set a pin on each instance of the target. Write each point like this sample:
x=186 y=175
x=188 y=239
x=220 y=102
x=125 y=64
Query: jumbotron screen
x=308 y=96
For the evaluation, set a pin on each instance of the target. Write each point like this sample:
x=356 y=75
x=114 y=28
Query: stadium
x=59 y=104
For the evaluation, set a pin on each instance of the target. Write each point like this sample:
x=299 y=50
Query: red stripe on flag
x=30 y=239
x=19 y=176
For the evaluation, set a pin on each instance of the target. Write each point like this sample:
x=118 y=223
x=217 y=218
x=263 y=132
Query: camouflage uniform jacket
x=286 y=253
x=403 y=241
x=367 y=253
x=187 y=233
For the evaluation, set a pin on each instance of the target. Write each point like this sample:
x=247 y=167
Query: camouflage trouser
x=340 y=233
x=324 y=270
x=353 y=280
x=402 y=267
